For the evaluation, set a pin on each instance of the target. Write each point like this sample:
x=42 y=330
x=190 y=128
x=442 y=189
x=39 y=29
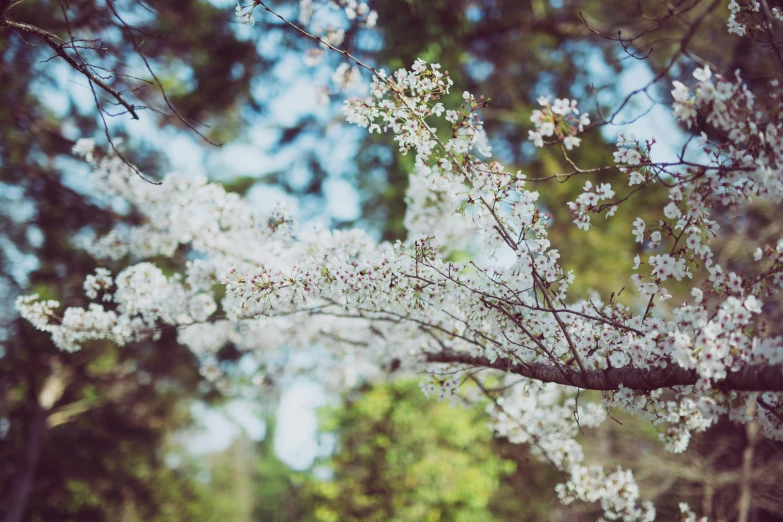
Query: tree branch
x=756 y=377
x=51 y=41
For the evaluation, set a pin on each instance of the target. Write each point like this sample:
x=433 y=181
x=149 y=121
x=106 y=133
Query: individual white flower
x=563 y=106
x=672 y=211
x=635 y=178
x=752 y=304
x=419 y=66
x=245 y=14
x=618 y=359
x=547 y=128
x=633 y=157
x=536 y=138
x=584 y=121
x=703 y=75
x=649 y=289
x=571 y=141
x=681 y=93
x=445 y=164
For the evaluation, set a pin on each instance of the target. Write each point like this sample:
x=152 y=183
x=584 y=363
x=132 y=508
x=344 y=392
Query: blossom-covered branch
x=372 y=306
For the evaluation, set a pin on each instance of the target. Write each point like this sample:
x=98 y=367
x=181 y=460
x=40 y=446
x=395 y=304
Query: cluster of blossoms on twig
x=597 y=199
x=748 y=17
x=346 y=77
x=560 y=121
x=358 y=12
x=588 y=201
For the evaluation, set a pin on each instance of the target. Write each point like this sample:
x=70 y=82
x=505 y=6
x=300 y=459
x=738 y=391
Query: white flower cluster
x=743 y=15
x=745 y=166
x=354 y=11
x=630 y=151
x=544 y=417
x=747 y=18
x=559 y=120
x=143 y=296
x=356 y=14
x=588 y=202
x=752 y=157
x=244 y=14
x=617 y=493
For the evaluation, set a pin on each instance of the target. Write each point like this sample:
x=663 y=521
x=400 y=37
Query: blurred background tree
x=84 y=434
x=403 y=457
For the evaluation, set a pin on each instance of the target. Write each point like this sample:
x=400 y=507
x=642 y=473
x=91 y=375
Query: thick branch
x=756 y=377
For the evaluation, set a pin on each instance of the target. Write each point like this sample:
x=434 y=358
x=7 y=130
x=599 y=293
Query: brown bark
x=755 y=377
x=20 y=490
x=746 y=485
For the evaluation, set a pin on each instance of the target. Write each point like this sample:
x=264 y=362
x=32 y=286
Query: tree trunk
x=746 y=489
x=24 y=483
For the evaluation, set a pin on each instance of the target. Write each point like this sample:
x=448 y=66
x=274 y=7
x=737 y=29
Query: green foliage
x=403 y=457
